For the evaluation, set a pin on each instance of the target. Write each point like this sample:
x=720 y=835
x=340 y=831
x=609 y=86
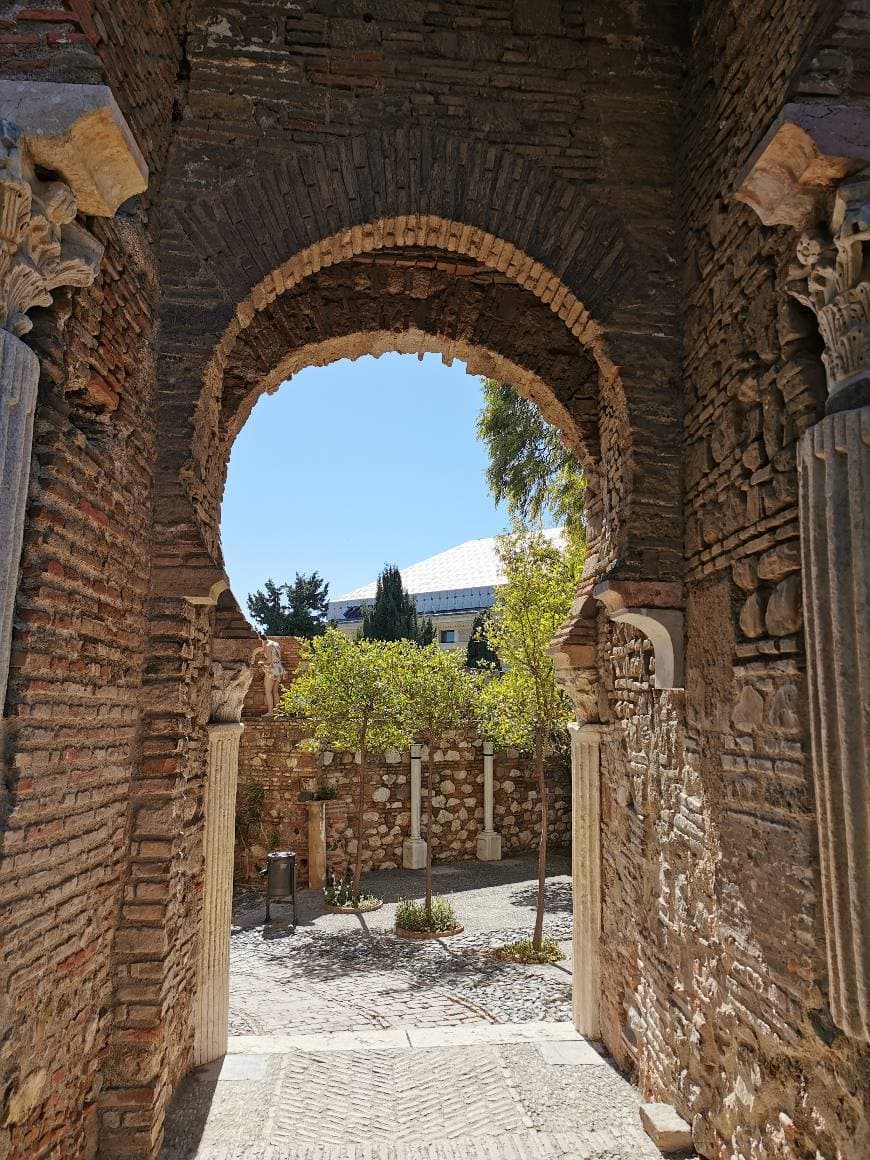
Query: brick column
x=41 y=248
x=213 y=971
x=586 y=875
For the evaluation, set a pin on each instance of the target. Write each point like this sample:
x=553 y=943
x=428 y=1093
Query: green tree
x=393 y=616
x=297 y=609
x=480 y=654
x=530 y=468
x=348 y=693
x=524 y=708
x=439 y=693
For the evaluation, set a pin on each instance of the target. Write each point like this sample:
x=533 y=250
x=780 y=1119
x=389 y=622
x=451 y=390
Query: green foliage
x=480 y=653
x=530 y=468
x=339 y=892
x=438 y=692
x=525 y=704
x=297 y=609
x=249 y=810
x=347 y=692
x=393 y=616
x=523 y=951
x=412 y=915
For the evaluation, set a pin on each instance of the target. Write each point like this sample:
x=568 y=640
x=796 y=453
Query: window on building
x=448 y=636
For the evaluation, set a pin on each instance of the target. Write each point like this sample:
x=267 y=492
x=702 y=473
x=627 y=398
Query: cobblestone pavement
x=337 y=972
x=349 y=1044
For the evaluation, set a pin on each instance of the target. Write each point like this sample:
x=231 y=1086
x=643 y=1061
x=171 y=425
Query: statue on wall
x=267 y=656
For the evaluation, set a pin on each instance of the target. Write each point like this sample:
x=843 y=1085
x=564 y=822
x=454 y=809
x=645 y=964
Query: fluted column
x=19 y=377
x=488 y=842
x=834 y=488
x=586 y=875
x=414 y=848
x=834 y=466
x=213 y=974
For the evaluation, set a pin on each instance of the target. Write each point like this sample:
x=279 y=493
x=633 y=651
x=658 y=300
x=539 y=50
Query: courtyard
x=347 y=1042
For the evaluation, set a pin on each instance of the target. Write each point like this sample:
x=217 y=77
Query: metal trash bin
x=280 y=875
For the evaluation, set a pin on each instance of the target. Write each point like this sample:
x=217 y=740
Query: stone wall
x=713 y=954
x=270 y=756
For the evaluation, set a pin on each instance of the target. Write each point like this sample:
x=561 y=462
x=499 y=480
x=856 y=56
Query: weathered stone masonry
x=549 y=191
x=271 y=757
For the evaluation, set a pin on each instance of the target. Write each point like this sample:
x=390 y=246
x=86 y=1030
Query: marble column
x=834 y=472
x=586 y=875
x=19 y=377
x=488 y=841
x=414 y=848
x=834 y=489
x=213 y=973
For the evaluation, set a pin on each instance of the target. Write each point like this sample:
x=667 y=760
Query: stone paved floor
x=348 y=1044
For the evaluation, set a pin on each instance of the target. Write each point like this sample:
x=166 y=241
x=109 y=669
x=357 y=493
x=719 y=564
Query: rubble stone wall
x=713 y=955
x=271 y=757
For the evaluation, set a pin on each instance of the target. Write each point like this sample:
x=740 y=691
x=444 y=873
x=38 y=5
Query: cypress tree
x=393 y=616
x=480 y=654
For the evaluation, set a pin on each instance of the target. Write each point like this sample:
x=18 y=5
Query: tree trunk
x=429 y=833
x=537 y=940
x=357 y=872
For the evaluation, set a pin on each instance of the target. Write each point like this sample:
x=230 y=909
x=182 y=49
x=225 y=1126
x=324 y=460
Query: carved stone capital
x=229 y=687
x=41 y=247
x=830 y=277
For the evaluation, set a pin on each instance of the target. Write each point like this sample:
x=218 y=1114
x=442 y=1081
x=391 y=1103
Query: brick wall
x=271 y=757
x=72 y=726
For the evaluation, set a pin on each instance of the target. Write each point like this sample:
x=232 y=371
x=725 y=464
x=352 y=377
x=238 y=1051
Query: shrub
x=339 y=892
x=411 y=915
x=523 y=951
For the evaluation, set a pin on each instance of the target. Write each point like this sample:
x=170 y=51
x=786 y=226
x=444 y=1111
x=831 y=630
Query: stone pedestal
x=19 y=377
x=213 y=973
x=316 y=845
x=488 y=841
x=414 y=848
x=834 y=476
x=586 y=872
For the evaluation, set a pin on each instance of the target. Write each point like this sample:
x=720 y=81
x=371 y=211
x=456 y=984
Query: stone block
x=665 y=1127
x=413 y=853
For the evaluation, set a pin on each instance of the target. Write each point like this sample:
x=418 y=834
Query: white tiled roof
x=464 y=577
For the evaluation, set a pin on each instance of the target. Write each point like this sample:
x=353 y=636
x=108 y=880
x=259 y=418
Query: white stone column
x=414 y=848
x=834 y=474
x=213 y=974
x=488 y=841
x=19 y=377
x=586 y=874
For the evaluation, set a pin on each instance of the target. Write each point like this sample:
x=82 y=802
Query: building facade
x=450 y=588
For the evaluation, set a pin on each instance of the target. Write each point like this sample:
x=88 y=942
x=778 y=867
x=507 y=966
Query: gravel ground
x=345 y=972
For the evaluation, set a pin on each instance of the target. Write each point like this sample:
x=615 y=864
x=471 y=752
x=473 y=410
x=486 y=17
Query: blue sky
x=353 y=465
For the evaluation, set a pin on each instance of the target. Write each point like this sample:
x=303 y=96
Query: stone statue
x=267 y=656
